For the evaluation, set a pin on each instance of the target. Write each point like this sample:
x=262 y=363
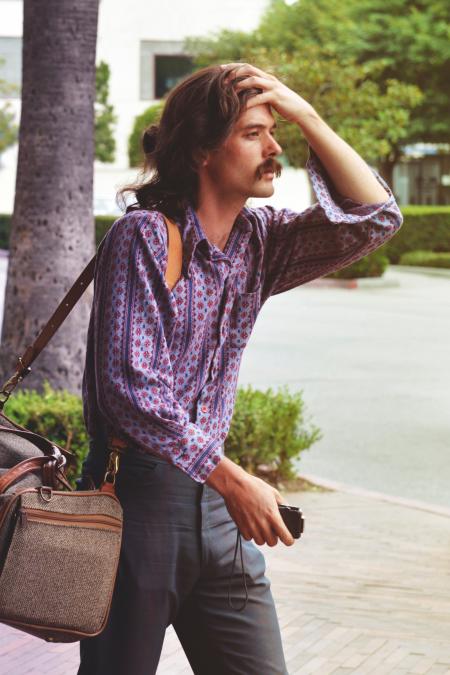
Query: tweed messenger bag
x=59 y=548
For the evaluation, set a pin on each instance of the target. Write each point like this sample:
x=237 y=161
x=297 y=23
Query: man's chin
x=266 y=190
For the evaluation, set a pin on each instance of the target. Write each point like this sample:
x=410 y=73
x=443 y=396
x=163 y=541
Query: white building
x=142 y=42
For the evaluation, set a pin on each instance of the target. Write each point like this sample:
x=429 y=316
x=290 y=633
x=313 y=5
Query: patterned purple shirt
x=162 y=366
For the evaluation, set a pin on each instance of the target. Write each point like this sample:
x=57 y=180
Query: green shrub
x=267 y=432
x=372 y=265
x=5 y=229
x=141 y=122
x=57 y=415
x=425 y=228
x=102 y=225
x=426 y=259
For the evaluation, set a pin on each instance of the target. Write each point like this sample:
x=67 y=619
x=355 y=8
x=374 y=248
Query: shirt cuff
x=199 y=453
x=340 y=209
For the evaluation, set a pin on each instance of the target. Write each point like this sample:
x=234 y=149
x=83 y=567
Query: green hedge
x=267 y=431
x=150 y=116
x=426 y=259
x=425 y=228
x=372 y=265
x=5 y=228
x=57 y=415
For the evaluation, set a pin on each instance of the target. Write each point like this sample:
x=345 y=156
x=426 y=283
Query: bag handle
x=173 y=272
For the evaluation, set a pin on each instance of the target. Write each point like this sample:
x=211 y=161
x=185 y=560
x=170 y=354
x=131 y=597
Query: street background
x=374 y=367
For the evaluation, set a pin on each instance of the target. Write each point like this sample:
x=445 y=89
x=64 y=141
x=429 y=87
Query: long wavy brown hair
x=198 y=115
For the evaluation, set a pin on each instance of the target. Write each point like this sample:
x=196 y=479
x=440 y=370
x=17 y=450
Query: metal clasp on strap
x=9 y=386
x=112 y=468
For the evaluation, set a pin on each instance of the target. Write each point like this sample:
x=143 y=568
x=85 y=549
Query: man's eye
x=253 y=134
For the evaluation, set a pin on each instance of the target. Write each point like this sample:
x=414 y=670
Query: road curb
x=373 y=494
x=428 y=271
x=366 y=283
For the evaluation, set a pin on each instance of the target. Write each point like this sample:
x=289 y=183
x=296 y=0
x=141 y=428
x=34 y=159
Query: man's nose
x=272 y=147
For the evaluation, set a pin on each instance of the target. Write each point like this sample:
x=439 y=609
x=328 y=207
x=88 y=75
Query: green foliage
x=267 y=432
x=150 y=116
x=8 y=128
x=378 y=77
x=372 y=265
x=425 y=228
x=370 y=119
x=410 y=42
x=426 y=259
x=5 y=229
x=102 y=225
x=57 y=415
x=105 y=119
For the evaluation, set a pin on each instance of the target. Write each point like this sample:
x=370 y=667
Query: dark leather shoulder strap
x=70 y=300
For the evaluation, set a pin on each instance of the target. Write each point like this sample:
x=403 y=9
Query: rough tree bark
x=52 y=235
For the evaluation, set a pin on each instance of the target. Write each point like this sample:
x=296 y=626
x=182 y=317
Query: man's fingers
x=282 y=531
x=259 y=99
x=253 y=81
x=244 y=69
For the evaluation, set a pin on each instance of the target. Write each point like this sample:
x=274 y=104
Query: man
x=162 y=363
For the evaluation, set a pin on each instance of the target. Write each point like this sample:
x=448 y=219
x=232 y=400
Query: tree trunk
x=52 y=236
x=387 y=166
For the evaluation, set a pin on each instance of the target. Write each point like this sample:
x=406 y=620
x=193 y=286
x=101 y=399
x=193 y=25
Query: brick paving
x=367 y=590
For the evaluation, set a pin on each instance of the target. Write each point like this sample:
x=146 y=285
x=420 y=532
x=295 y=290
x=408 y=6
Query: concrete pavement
x=374 y=367
x=367 y=590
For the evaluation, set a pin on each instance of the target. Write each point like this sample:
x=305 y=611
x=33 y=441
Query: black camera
x=293 y=519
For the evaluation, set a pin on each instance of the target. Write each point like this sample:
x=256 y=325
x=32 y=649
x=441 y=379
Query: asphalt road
x=374 y=368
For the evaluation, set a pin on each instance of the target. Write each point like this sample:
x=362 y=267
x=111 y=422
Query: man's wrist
x=308 y=119
x=225 y=476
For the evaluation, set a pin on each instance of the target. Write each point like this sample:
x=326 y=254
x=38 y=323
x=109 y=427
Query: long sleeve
x=133 y=317
x=331 y=234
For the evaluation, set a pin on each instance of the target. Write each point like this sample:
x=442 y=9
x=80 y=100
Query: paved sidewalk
x=367 y=590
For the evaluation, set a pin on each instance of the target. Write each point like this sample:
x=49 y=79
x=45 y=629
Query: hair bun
x=149 y=139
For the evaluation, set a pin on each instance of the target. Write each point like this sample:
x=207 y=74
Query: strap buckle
x=112 y=468
x=9 y=386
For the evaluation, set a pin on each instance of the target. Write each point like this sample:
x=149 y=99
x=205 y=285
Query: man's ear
x=203 y=158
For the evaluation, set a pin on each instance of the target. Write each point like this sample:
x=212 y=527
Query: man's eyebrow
x=258 y=126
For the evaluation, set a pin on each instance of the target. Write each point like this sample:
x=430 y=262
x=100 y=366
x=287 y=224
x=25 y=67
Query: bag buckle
x=113 y=467
x=9 y=386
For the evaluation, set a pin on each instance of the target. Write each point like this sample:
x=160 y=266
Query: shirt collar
x=194 y=236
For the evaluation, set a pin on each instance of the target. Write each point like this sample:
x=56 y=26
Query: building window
x=169 y=70
x=163 y=64
x=11 y=65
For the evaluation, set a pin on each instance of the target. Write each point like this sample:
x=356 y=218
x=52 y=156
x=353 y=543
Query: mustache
x=269 y=165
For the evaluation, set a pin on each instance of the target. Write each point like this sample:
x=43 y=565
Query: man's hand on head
x=286 y=102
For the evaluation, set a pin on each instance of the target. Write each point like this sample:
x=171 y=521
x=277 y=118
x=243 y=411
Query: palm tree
x=52 y=236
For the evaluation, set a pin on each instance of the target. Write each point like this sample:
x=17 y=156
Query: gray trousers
x=177 y=553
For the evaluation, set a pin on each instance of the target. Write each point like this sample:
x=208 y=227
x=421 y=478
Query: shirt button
x=204 y=408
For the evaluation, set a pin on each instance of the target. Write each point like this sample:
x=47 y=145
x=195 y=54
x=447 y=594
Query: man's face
x=244 y=166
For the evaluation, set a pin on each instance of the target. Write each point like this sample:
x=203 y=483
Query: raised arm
x=348 y=171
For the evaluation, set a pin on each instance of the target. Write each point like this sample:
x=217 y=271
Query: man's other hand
x=252 y=503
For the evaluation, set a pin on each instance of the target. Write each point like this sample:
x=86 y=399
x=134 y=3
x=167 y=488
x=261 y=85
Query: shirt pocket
x=243 y=315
